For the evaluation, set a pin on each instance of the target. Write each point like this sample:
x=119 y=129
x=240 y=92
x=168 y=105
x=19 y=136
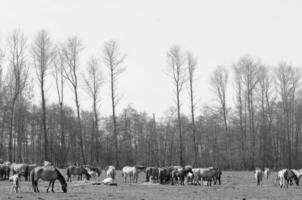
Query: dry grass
x=235 y=185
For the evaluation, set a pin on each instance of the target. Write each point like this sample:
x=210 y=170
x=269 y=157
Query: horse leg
x=52 y=186
x=37 y=189
x=48 y=186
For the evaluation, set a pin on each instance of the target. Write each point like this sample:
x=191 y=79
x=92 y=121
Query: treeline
x=262 y=127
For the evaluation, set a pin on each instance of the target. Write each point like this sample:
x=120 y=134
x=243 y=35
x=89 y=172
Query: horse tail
x=32 y=178
x=68 y=172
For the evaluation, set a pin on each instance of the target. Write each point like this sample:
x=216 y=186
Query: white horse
x=111 y=172
x=206 y=174
x=130 y=172
x=281 y=178
x=16 y=182
x=298 y=173
x=267 y=172
x=258 y=176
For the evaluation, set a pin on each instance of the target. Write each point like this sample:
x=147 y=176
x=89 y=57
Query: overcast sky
x=217 y=32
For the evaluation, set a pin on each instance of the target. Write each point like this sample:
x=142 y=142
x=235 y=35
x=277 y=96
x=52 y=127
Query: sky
x=217 y=32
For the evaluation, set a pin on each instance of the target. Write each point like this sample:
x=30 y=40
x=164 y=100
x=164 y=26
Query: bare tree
x=288 y=79
x=71 y=54
x=94 y=82
x=42 y=53
x=176 y=70
x=240 y=112
x=58 y=75
x=113 y=60
x=192 y=62
x=17 y=77
x=249 y=69
x=219 y=82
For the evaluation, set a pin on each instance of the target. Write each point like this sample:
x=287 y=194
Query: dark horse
x=4 y=172
x=289 y=176
x=47 y=173
x=180 y=174
x=74 y=170
x=152 y=172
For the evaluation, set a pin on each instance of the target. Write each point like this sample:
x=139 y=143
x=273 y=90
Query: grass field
x=235 y=185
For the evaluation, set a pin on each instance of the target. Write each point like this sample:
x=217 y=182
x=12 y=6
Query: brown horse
x=74 y=170
x=47 y=173
x=4 y=172
x=152 y=172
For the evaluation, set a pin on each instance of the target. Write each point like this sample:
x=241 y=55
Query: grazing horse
x=47 y=173
x=206 y=174
x=21 y=169
x=285 y=176
x=111 y=172
x=289 y=176
x=258 y=176
x=297 y=173
x=267 y=172
x=180 y=174
x=74 y=170
x=152 y=172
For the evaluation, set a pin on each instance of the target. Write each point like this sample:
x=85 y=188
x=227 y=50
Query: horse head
x=64 y=187
x=87 y=175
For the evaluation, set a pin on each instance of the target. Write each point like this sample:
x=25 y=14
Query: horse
x=152 y=172
x=180 y=174
x=21 y=169
x=281 y=178
x=267 y=172
x=16 y=182
x=298 y=173
x=74 y=170
x=258 y=176
x=47 y=173
x=217 y=176
x=97 y=170
x=4 y=172
x=131 y=172
x=290 y=176
x=164 y=175
x=206 y=174
x=91 y=172
x=111 y=172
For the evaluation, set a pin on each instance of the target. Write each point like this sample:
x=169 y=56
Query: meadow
x=235 y=185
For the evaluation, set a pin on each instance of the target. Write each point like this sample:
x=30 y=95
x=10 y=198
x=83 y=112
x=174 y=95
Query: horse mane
x=294 y=175
x=60 y=176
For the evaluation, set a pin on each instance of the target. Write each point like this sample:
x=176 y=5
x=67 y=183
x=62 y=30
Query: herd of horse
x=162 y=175
x=285 y=177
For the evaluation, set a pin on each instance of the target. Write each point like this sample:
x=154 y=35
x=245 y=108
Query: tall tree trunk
x=44 y=122
x=10 y=140
x=195 y=161
x=79 y=125
x=181 y=162
x=114 y=119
